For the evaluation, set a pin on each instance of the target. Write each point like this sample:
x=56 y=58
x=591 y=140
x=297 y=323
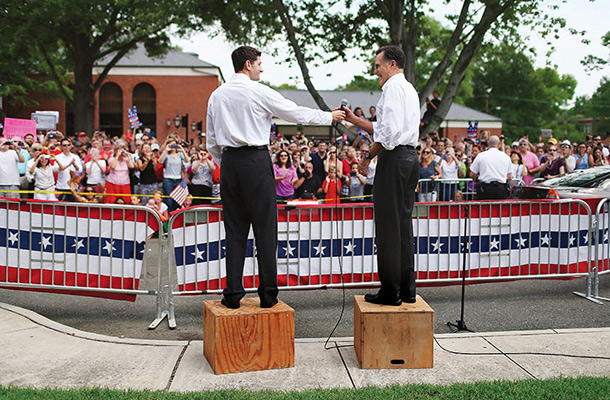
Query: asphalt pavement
x=490 y=307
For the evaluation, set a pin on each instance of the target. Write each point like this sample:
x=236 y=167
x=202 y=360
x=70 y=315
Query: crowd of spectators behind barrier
x=137 y=169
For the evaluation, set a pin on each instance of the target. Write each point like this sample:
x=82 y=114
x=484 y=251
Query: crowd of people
x=137 y=169
x=132 y=169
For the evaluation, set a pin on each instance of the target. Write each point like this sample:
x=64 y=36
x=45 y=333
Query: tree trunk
x=84 y=97
x=291 y=33
x=491 y=13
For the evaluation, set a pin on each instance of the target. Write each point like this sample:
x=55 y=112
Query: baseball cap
x=553 y=141
x=154 y=146
x=82 y=134
x=566 y=143
x=515 y=144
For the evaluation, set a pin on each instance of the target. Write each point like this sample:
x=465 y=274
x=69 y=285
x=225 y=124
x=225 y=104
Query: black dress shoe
x=229 y=304
x=383 y=300
x=409 y=300
x=268 y=305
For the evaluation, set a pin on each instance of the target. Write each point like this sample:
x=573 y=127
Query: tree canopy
x=53 y=37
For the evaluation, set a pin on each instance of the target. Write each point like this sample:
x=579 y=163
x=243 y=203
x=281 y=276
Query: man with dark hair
x=238 y=128
x=397 y=172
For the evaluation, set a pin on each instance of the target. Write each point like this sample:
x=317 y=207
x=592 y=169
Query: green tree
x=594 y=62
x=72 y=36
x=597 y=106
x=507 y=85
x=371 y=23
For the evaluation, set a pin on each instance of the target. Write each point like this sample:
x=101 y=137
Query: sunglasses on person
x=426 y=152
x=552 y=149
x=283 y=155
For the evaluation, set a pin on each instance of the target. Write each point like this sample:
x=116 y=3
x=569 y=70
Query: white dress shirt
x=240 y=112
x=397 y=114
x=63 y=177
x=492 y=165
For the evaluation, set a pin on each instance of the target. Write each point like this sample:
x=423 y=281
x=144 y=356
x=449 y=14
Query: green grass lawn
x=565 y=388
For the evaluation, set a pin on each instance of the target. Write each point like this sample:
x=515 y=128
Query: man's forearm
x=363 y=124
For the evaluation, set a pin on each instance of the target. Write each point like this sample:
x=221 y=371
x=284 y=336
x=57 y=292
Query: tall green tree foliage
x=507 y=85
x=53 y=37
x=437 y=56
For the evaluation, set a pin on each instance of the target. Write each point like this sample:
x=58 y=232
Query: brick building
x=177 y=84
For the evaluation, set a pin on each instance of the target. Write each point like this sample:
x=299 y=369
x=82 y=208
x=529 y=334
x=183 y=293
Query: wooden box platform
x=394 y=337
x=249 y=338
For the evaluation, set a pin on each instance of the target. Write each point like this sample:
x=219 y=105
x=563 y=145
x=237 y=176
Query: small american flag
x=179 y=194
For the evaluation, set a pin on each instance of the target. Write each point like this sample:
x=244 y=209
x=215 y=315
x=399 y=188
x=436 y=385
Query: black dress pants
x=395 y=182
x=492 y=191
x=247 y=187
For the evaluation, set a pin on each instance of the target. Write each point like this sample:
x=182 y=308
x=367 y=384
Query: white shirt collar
x=397 y=76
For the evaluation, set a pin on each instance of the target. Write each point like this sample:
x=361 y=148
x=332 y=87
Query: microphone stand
x=460 y=325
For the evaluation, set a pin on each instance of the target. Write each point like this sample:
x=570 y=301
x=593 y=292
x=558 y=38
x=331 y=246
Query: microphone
x=344 y=104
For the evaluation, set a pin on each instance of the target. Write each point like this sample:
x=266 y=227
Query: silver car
x=583 y=183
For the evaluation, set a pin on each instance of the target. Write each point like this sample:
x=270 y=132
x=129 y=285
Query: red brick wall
x=176 y=95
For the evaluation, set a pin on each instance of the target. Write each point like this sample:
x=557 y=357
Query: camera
x=201 y=134
x=174 y=146
x=20 y=143
x=52 y=135
x=8 y=142
x=306 y=174
x=352 y=173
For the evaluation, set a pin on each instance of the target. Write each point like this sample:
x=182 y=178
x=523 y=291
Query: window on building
x=111 y=109
x=145 y=99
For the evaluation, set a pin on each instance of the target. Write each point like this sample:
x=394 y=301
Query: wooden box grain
x=394 y=337
x=249 y=338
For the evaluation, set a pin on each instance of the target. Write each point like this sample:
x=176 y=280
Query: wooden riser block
x=249 y=338
x=394 y=337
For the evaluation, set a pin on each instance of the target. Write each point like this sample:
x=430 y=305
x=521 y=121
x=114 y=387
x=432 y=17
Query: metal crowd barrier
x=326 y=246
x=601 y=250
x=97 y=250
x=445 y=189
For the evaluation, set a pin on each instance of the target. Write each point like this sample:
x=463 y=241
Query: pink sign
x=14 y=127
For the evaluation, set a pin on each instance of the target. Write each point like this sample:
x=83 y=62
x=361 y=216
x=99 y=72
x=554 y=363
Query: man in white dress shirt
x=492 y=168
x=238 y=130
x=396 y=134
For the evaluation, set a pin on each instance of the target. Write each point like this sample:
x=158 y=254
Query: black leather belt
x=408 y=146
x=244 y=148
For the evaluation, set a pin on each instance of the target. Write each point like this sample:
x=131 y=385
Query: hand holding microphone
x=339 y=112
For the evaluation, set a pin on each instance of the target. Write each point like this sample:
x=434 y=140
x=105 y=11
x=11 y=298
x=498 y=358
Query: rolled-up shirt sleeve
x=289 y=111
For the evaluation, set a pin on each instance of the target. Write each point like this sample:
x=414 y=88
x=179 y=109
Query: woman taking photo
x=201 y=183
x=449 y=170
x=147 y=165
x=44 y=181
x=285 y=177
x=429 y=171
x=583 y=161
x=118 y=183
x=173 y=157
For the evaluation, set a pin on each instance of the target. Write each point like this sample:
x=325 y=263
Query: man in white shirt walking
x=396 y=134
x=238 y=127
x=492 y=168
